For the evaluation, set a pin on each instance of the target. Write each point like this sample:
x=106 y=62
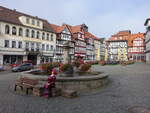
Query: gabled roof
x=126 y=37
x=90 y=35
x=76 y=29
x=12 y=16
x=122 y=33
x=58 y=29
x=134 y=36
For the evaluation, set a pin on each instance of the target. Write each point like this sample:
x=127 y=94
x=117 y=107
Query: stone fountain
x=67 y=80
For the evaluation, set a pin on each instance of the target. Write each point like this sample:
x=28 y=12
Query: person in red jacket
x=50 y=83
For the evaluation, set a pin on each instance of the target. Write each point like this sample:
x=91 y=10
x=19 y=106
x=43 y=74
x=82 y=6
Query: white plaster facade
x=117 y=50
x=63 y=37
x=23 y=39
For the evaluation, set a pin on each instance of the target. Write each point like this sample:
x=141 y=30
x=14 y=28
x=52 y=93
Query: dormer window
x=27 y=20
x=33 y=22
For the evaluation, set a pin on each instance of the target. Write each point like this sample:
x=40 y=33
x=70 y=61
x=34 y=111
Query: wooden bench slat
x=25 y=82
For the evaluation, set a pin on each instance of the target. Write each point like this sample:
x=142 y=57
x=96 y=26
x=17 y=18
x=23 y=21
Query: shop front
x=12 y=59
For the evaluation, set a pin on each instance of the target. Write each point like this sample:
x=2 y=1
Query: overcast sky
x=103 y=17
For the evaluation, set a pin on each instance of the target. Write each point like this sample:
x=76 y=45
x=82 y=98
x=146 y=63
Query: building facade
x=25 y=37
x=118 y=46
x=89 y=47
x=117 y=50
x=147 y=40
x=136 y=47
x=64 y=35
x=102 y=49
x=80 y=42
x=125 y=46
x=96 y=49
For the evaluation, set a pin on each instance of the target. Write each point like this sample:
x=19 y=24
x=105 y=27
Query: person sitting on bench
x=50 y=84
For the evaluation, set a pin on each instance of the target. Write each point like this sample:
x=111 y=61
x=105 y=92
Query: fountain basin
x=78 y=83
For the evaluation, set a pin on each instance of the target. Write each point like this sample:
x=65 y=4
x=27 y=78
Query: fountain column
x=66 y=53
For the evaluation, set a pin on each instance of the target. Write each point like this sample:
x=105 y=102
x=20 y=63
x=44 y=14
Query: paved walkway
x=129 y=87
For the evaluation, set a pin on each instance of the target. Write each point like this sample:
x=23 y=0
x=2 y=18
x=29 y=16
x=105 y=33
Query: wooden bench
x=26 y=83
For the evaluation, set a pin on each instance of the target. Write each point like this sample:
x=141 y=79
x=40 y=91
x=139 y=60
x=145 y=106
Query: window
x=37 y=46
x=32 y=46
x=43 y=36
x=38 y=23
x=14 y=31
x=43 y=47
x=47 y=36
x=51 y=37
x=47 y=47
x=37 y=35
x=33 y=34
x=6 y=43
x=19 y=44
x=27 y=45
x=27 y=32
x=27 y=20
x=33 y=22
x=7 y=29
x=52 y=48
x=20 y=32
x=13 y=44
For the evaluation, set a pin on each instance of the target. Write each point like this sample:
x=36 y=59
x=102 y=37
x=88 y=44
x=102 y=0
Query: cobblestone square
x=128 y=87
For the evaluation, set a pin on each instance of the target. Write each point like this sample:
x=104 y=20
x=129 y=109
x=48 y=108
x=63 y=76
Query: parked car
x=22 y=67
x=1 y=68
x=19 y=63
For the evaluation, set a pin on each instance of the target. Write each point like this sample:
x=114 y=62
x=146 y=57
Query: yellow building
x=106 y=54
x=97 y=48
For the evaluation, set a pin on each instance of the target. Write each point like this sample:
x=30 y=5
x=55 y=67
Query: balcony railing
x=33 y=51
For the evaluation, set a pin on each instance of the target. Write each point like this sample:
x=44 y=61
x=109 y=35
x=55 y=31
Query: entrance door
x=33 y=58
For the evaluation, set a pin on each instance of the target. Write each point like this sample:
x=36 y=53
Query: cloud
x=103 y=17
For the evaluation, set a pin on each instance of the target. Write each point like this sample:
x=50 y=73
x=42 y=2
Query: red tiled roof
x=126 y=36
x=90 y=35
x=57 y=29
x=121 y=35
x=134 y=36
x=12 y=16
x=76 y=29
x=73 y=30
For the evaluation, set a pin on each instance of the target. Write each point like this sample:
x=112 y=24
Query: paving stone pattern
x=129 y=86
